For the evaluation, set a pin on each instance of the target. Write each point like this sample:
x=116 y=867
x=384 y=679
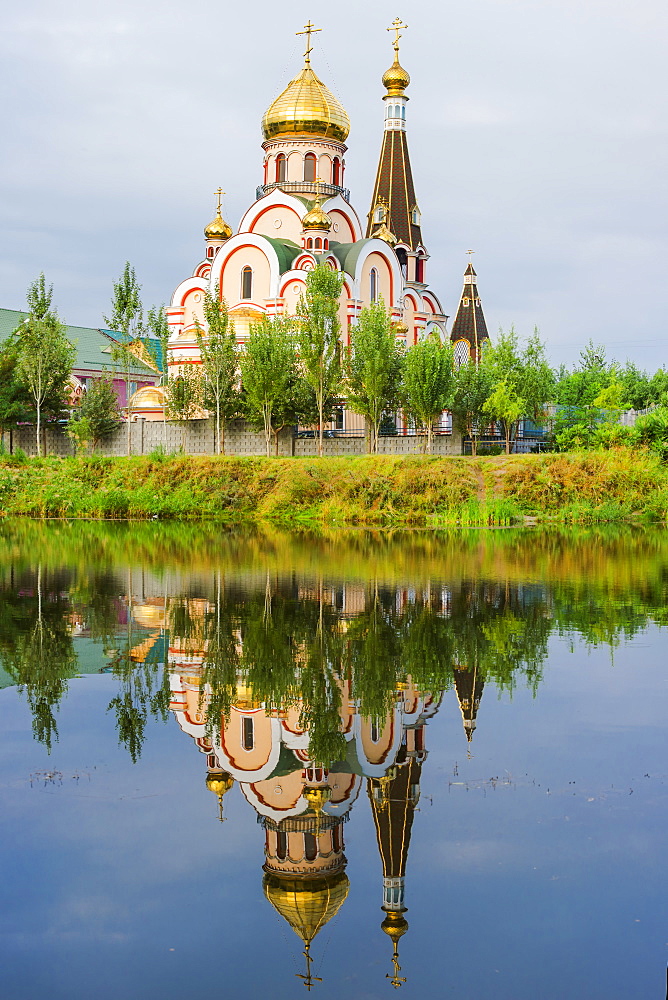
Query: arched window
x=397 y=111
x=310 y=847
x=379 y=213
x=336 y=171
x=375 y=731
x=415 y=216
x=419 y=269
x=209 y=251
x=318 y=243
x=309 y=244
x=309 y=167
x=325 y=244
x=246 y=283
x=462 y=353
x=281 y=845
x=280 y=167
x=403 y=111
x=373 y=284
x=247 y=732
x=336 y=838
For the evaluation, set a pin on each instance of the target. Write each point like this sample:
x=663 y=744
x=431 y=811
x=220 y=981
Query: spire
x=394 y=214
x=393 y=800
x=469 y=686
x=469 y=327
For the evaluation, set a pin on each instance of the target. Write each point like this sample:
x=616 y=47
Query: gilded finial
x=309 y=29
x=218 y=229
x=396 y=79
x=395 y=926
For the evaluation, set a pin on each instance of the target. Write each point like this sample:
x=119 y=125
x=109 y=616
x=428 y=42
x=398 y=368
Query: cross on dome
x=396 y=27
x=309 y=29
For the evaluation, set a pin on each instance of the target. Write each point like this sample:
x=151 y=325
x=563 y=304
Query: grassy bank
x=372 y=490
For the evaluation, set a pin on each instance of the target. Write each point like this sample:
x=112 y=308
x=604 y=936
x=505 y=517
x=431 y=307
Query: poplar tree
x=96 y=416
x=318 y=338
x=473 y=386
x=156 y=321
x=268 y=376
x=374 y=367
x=219 y=363
x=127 y=318
x=44 y=356
x=427 y=383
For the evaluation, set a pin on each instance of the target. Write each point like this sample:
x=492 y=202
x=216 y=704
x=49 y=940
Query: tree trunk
x=217 y=426
x=267 y=432
x=221 y=437
x=507 y=439
x=320 y=408
x=39 y=443
x=430 y=436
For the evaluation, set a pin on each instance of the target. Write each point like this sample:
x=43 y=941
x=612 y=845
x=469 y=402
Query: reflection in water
x=310 y=691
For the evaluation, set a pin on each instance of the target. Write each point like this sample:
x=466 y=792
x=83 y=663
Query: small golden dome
x=395 y=925
x=316 y=218
x=219 y=782
x=306 y=904
x=218 y=229
x=396 y=79
x=317 y=796
x=306 y=106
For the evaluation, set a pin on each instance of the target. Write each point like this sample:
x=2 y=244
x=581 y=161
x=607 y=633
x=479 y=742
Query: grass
x=576 y=488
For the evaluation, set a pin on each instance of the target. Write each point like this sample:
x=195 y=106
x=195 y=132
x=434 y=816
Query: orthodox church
x=303 y=214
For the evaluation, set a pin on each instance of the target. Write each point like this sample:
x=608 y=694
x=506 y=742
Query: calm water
x=239 y=765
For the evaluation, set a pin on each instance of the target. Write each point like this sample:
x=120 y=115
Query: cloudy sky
x=537 y=129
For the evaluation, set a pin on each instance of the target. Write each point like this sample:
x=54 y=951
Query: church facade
x=303 y=214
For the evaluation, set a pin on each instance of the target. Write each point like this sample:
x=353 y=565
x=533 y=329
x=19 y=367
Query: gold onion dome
x=395 y=925
x=306 y=904
x=317 y=796
x=218 y=229
x=219 y=782
x=316 y=218
x=396 y=79
x=306 y=106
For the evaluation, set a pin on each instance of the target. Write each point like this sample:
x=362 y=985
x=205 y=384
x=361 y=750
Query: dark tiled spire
x=469 y=322
x=395 y=192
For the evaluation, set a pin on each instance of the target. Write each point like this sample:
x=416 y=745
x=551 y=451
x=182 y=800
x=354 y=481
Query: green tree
x=97 y=415
x=14 y=397
x=184 y=394
x=44 y=356
x=157 y=325
x=374 y=367
x=268 y=374
x=318 y=338
x=505 y=406
x=127 y=318
x=218 y=352
x=427 y=383
x=473 y=385
x=537 y=384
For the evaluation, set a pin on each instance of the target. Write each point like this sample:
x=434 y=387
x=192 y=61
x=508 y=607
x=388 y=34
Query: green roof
x=92 y=346
x=347 y=254
x=286 y=251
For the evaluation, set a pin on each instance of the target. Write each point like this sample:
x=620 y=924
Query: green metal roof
x=90 y=345
x=347 y=254
x=286 y=251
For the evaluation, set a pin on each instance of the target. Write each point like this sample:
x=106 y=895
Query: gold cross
x=309 y=978
x=309 y=30
x=396 y=27
x=219 y=194
x=469 y=252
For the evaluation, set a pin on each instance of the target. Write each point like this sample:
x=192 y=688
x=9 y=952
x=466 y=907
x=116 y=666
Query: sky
x=538 y=134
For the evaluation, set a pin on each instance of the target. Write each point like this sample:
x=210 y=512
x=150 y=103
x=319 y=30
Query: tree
x=218 y=352
x=537 y=384
x=127 y=318
x=268 y=374
x=374 y=367
x=318 y=338
x=14 y=397
x=184 y=394
x=97 y=416
x=473 y=385
x=156 y=322
x=506 y=406
x=427 y=383
x=44 y=356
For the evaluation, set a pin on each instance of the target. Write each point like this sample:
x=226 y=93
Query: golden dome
x=148 y=396
x=395 y=925
x=396 y=79
x=149 y=615
x=218 y=229
x=306 y=106
x=317 y=796
x=306 y=904
x=316 y=218
x=219 y=782
x=383 y=233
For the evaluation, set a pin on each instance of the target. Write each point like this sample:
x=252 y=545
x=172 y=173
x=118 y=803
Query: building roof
x=91 y=346
x=394 y=190
x=470 y=322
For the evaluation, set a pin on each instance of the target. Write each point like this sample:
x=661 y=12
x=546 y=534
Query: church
x=303 y=214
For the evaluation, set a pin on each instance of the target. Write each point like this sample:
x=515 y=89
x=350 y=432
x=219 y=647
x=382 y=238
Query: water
x=440 y=762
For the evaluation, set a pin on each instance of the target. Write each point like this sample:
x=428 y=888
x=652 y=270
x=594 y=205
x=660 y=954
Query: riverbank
x=575 y=488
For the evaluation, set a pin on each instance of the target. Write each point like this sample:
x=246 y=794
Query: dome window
x=318 y=243
x=309 y=167
x=379 y=214
x=309 y=243
x=281 y=167
x=415 y=216
x=336 y=171
x=247 y=740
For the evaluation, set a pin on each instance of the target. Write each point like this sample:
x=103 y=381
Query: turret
x=469 y=330
x=394 y=215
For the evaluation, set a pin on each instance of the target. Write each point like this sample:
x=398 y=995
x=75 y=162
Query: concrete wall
x=196 y=437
